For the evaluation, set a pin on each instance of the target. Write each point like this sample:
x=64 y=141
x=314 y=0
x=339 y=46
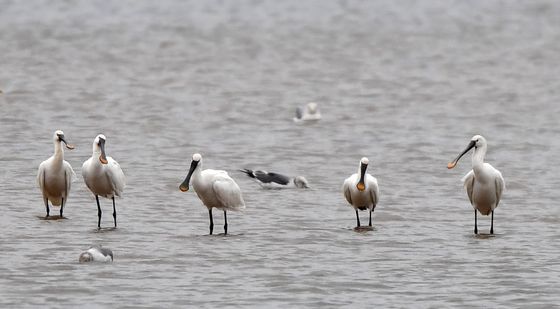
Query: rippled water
x=405 y=83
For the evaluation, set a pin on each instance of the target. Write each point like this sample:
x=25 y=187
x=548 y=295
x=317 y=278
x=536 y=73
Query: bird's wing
x=248 y=172
x=299 y=113
x=500 y=187
x=228 y=192
x=374 y=189
x=346 y=189
x=69 y=176
x=41 y=175
x=85 y=167
x=116 y=176
x=468 y=182
x=265 y=177
x=106 y=252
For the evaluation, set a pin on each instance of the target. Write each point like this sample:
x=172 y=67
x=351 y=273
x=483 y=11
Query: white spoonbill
x=103 y=176
x=361 y=190
x=214 y=188
x=96 y=254
x=270 y=180
x=55 y=175
x=311 y=113
x=484 y=183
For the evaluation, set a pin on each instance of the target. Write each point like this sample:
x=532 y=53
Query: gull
x=96 y=254
x=484 y=183
x=311 y=113
x=271 y=180
x=214 y=188
x=103 y=176
x=55 y=175
x=361 y=190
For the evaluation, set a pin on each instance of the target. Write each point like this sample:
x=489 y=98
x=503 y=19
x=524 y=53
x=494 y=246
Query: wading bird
x=103 y=176
x=55 y=175
x=214 y=188
x=361 y=190
x=484 y=183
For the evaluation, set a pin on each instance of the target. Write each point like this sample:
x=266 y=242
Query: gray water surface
x=405 y=83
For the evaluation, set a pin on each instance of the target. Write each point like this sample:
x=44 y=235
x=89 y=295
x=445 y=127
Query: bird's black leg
x=225 y=225
x=98 y=212
x=61 y=207
x=47 y=205
x=370 y=211
x=357 y=218
x=211 y=221
x=114 y=212
x=492 y=224
x=475 y=227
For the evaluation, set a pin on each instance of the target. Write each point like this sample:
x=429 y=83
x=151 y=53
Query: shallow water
x=405 y=84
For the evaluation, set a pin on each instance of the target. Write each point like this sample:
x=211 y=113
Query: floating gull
x=96 y=254
x=311 y=113
x=55 y=175
x=274 y=180
x=361 y=190
x=103 y=176
x=214 y=188
x=484 y=183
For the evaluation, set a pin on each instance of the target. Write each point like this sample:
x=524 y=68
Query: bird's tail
x=249 y=173
x=299 y=113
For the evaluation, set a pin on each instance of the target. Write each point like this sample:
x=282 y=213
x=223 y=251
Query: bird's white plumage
x=216 y=189
x=96 y=254
x=55 y=175
x=366 y=199
x=106 y=180
x=310 y=113
x=484 y=183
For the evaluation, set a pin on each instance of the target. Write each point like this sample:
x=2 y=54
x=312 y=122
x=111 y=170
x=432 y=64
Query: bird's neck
x=478 y=158
x=58 y=152
x=197 y=171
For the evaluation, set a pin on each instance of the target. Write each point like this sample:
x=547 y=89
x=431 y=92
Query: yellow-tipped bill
x=451 y=165
x=361 y=186
x=183 y=188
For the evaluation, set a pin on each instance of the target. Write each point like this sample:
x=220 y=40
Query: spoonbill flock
x=216 y=189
